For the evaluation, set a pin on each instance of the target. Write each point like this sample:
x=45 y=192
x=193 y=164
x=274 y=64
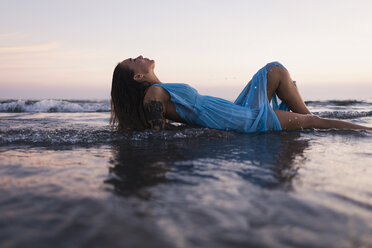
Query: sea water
x=67 y=179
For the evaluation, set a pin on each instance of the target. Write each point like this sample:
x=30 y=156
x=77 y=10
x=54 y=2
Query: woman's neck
x=153 y=79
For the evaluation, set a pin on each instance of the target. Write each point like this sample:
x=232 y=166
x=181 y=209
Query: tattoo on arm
x=154 y=113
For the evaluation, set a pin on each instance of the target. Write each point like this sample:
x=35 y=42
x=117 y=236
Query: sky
x=68 y=49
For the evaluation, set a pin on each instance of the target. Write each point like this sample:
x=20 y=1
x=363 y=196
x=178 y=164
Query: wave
x=339 y=103
x=51 y=106
x=343 y=114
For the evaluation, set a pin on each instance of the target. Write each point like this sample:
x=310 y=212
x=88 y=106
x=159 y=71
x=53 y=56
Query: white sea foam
x=51 y=105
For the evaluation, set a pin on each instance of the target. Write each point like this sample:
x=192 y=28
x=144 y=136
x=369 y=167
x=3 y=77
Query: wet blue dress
x=251 y=111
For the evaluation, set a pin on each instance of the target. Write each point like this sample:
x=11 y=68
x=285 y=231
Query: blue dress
x=251 y=111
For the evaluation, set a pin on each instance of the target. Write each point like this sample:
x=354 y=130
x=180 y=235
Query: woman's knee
x=274 y=76
x=277 y=73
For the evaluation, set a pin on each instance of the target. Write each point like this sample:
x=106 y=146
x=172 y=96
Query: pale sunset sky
x=68 y=49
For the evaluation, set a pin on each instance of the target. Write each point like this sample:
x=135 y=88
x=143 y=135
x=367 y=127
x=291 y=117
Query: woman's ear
x=138 y=77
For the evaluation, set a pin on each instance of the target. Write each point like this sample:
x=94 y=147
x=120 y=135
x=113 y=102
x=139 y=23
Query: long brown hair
x=127 y=100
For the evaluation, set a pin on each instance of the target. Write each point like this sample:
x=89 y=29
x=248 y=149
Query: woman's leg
x=279 y=82
x=294 y=121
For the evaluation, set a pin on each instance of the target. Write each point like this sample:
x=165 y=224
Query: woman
x=139 y=100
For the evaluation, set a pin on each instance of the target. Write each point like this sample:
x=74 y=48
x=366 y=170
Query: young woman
x=139 y=100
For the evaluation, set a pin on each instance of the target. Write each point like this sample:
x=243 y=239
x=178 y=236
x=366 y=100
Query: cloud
x=43 y=47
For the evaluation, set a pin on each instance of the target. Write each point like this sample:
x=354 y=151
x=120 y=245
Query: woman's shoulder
x=170 y=87
x=171 y=90
x=156 y=92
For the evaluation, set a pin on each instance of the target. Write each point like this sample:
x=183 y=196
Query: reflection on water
x=136 y=168
x=265 y=160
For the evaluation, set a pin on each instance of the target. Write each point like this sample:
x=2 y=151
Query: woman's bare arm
x=154 y=104
x=154 y=113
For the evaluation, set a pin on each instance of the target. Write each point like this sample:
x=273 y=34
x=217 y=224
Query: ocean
x=67 y=179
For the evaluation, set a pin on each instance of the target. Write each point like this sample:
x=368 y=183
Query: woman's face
x=139 y=65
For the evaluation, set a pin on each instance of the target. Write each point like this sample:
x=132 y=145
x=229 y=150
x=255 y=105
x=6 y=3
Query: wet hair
x=127 y=100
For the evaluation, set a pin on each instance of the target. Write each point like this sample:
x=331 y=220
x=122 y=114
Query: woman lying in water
x=139 y=100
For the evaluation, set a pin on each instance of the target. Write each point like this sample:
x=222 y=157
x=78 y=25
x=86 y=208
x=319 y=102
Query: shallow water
x=68 y=180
